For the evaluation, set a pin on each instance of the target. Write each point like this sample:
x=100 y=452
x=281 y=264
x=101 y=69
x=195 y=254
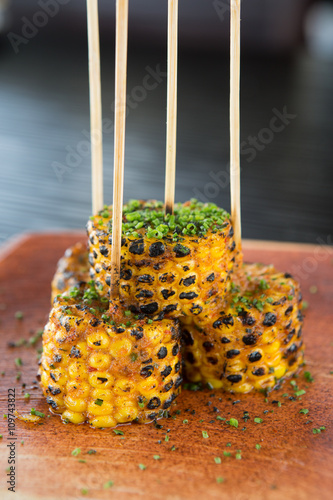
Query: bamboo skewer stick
x=95 y=106
x=170 y=166
x=119 y=142
x=235 y=7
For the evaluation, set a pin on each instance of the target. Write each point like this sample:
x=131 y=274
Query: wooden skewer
x=119 y=142
x=170 y=167
x=95 y=106
x=234 y=118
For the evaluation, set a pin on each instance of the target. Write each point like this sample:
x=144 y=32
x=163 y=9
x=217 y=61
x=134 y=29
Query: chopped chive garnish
x=233 y=422
x=108 y=485
x=37 y=413
x=308 y=377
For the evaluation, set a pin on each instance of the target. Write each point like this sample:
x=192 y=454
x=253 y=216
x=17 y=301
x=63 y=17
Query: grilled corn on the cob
x=72 y=270
x=96 y=370
x=171 y=265
x=251 y=340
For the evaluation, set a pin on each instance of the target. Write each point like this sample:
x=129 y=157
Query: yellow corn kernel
x=215 y=383
x=78 y=389
x=74 y=417
x=77 y=370
x=279 y=371
x=236 y=365
x=103 y=421
x=98 y=340
x=99 y=361
x=97 y=379
x=272 y=348
x=253 y=368
x=48 y=351
x=147 y=386
x=243 y=388
x=120 y=348
x=126 y=412
x=75 y=404
x=59 y=376
x=45 y=378
x=82 y=346
x=274 y=360
x=155 y=335
x=265 y=382
x=104 y=394
x=58 y=399
x=105 y=409
x=122 y=386
x=269 y=337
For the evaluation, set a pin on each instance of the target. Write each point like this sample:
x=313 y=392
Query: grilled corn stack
x=171 y=264
x=251 y=340
x=105 y=372
x=72 y=270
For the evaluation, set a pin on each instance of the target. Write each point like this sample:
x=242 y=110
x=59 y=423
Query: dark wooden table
x=293 y=463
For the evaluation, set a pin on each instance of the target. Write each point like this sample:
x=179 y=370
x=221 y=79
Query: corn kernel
x=120 y=348
x=78 y=389
x=99 y=360
x=105 y=409
x=75 y=404
x=101 y=379
x=103 y=394
x=98 y=340
x=103 y=421
x=74 y=417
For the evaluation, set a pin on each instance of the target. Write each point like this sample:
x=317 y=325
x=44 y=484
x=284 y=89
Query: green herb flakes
x=108 y=485
x=308 y=377
x=233 y=422
x=18 y=362
x=37 y=413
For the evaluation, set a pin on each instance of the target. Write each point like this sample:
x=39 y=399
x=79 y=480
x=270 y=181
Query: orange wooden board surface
x=293 y=463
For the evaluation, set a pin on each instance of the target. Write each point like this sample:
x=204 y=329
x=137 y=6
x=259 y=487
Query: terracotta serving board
x=292 y=462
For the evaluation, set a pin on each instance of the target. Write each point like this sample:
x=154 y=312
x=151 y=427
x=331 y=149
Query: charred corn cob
x=171 y=264
x=72 y=270
x=105 y=372
x=251 y=340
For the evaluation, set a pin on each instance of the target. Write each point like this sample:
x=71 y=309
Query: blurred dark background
x=286 y=112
